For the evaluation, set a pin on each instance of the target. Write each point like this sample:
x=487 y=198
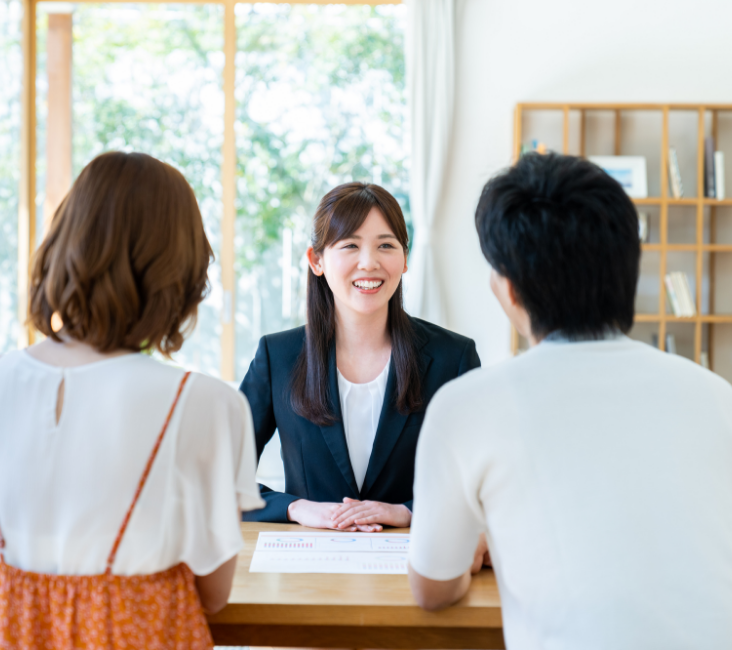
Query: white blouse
x=361 y=409
x=65 y=488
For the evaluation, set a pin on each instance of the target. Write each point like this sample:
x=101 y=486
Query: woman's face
x=363 y=271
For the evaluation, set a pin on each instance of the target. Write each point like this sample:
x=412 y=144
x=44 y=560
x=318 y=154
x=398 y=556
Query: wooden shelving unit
x=574 y=116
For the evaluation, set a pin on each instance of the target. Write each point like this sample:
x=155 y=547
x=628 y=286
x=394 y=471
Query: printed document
x=333 y=552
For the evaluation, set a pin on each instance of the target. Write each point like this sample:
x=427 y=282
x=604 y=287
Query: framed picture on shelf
x=629 y=171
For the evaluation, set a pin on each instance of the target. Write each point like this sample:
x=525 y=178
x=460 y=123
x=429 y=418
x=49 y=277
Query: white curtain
x=430 y=61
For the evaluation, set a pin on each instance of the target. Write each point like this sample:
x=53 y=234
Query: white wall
x=514 y=51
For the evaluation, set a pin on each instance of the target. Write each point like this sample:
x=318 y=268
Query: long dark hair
x=341 y=212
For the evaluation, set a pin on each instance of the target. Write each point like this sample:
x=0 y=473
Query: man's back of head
x=565 y=235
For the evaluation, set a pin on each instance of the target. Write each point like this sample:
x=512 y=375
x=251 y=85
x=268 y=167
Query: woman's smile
x=368 y=285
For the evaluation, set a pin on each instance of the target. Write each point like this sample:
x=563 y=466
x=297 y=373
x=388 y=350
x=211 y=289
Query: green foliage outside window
x=320 y=101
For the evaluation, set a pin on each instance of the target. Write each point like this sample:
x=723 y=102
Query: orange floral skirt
x=160 y=611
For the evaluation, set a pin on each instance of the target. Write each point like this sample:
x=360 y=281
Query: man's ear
x=511 y=293
x=315 y=261
x=503 y=290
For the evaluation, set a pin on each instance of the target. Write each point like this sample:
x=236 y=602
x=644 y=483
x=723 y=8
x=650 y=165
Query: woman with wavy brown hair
x=348 y=391
x=120 y=476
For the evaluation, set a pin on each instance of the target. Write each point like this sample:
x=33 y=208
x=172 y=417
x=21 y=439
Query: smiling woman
x=348 y=392
x=357 y=257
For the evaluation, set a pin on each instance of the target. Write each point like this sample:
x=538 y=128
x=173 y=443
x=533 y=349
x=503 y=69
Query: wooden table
x=348 y=611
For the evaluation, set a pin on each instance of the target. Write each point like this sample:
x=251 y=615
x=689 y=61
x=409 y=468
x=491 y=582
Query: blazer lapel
x=335 y=436
x=391 y=424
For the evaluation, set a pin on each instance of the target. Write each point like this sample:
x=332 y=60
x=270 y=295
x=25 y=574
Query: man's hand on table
x=434 y=595
x=370 y=514
x=482 y=556
x=320 y=515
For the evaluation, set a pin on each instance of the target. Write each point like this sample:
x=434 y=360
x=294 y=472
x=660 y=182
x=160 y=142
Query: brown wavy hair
x=341 y=213
x=125 y=262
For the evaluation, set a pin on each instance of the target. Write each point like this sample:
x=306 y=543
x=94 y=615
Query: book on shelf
x=677 y=188
x=678 y=293
x=704 y=360
x=719 y=174
x=671 y=296
x=671 y=344
x=687 y=300
x=709 y=168
x=643 y=227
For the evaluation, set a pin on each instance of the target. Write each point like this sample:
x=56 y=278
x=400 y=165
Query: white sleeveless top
x=65 y=488
x=361 y=409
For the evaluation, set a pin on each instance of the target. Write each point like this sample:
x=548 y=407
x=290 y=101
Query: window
x=320 y=101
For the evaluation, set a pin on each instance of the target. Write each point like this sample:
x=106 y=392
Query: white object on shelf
x=671 y=295
x=629 y=171
x=685 y=291
x=719 y=174
x=677 y=188
x=643 y=226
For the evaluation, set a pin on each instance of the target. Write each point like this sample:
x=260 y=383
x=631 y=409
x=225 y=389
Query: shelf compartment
x=652 y=224
x=645 y=332
x=546 y=127
x=718 y=225
x=717 y=285
x=681 y=224
x=647 y=294
x=683 y=338
x=720 y=345
x=683 y=135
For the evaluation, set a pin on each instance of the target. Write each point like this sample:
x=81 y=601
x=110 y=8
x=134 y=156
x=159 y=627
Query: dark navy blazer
x=317 y=464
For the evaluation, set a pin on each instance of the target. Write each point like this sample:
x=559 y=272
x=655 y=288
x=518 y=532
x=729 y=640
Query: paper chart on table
x=375 y=553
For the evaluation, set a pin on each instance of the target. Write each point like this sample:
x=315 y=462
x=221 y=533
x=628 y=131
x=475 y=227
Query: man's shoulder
x=477 y=390
x=676 y=368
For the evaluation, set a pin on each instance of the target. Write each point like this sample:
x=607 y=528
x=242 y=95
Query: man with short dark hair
x=598 y=468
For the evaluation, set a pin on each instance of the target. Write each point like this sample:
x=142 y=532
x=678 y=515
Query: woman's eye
x=349 y=246
x=387 y=246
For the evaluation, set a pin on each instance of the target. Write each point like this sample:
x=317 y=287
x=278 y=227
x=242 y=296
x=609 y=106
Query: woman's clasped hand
x=370 y=514
x=350 y=516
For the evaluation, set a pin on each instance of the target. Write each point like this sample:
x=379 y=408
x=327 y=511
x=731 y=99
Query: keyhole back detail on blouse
x=60 y=399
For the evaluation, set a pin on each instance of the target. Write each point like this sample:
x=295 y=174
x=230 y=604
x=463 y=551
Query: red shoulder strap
x=143 y=479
